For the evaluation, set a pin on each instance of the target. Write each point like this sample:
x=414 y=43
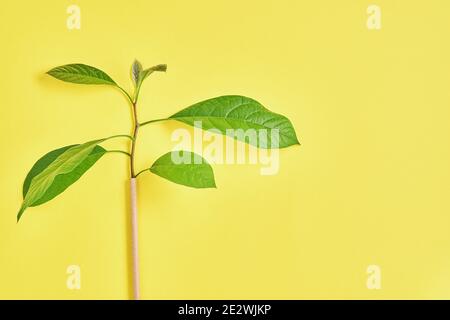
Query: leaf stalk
x=119 y=151
x=152 y=121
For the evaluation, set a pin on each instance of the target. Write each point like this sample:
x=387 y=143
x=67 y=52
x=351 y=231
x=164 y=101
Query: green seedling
x=60 y=168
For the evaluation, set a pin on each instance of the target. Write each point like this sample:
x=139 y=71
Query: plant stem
x=133 y=142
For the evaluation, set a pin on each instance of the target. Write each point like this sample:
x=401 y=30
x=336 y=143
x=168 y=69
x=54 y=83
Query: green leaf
x=57 y=170
x=81 y=73
x=238 y=112
x=185 y=168
x=61 y=181
x=145 y=73
x=136 y=69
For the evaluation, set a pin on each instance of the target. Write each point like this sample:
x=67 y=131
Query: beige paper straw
x=134 y=238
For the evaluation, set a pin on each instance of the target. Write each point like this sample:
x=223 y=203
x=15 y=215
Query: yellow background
x=369 y=185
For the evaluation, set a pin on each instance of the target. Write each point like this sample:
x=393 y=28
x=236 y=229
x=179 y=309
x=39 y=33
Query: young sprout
x=57 y=170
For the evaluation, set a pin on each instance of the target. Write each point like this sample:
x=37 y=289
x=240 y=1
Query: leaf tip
x=295 y=141
x=160 y=67
x=19 y=214
x=213 y=183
